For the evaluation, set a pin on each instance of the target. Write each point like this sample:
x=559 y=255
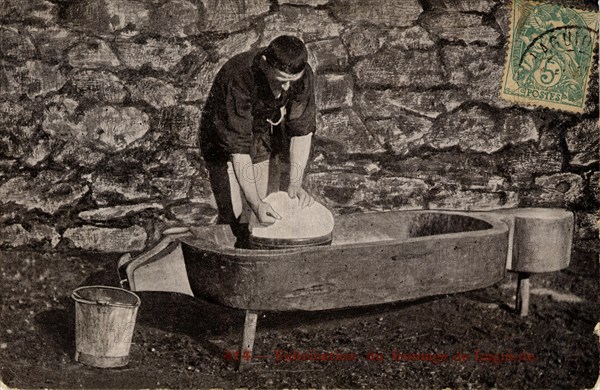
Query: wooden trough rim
x=490 y=217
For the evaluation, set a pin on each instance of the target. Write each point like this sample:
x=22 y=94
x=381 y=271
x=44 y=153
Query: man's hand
x=265 y=214
x=303 y=196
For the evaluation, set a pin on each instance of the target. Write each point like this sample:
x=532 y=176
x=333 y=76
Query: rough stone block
x=467 y=64
x=560 y=189
x=157 y=54
x=155 y=92
x=189 y=66
x=101 y=239
x=473 y=200
x=15 y=118
x=475 y=129
x=387 y=13
x=38 y=78
x=346 y=133
x=152 y=141
x=594 y=186
x=198 y=84
x=458 y=26
x=452 y=171
x=525 y=162
x=519 y=127
x=470 y=129
x=108 y=188
x=312 y=3
x=14 y=235
x=582 y=142
x=502 y=16
x=194 y=214
x=306 y=23
x=389 y=103
x=21 y=151
x=52 y=42
x=92 y=54
x=230 y=15
x=7 y=166
x=334 y=91
x=396 y=193
x=113 y=129
x=477 y=69
x=170 y=188
x=235 y=44
x=349 y=189
x=412 y=38
x=336 y=163
x=37 y=153
x=329 y=54
x=9 y=85
x=182 y=122
x=173 y=162
x=59 y=118
x=362 y=40
x=403 y=134
x=48 y=192
x=483 y=6
x=9 y=214
x=200 y=191
x=18 y=129
x=550 y=139
x=117 y=212
x=16 y=44
x=105 y=16
x=74 y=154
x=38 y=234
x=335 y=188
x=99 y=86
x=42 y=233
x=29 y=11
x=586 y=231
x=398 y=68
x=176 y=18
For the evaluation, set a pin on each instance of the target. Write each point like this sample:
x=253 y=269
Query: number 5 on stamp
x=549 y=57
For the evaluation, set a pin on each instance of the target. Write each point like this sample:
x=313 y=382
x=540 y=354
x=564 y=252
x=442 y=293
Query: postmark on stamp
x=550 y=56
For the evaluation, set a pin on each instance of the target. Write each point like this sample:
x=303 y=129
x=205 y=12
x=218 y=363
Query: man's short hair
x=287 y=54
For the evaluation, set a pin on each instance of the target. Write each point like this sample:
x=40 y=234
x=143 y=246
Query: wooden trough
x=373 y=258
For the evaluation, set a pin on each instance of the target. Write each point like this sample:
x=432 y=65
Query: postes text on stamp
x=549 y=57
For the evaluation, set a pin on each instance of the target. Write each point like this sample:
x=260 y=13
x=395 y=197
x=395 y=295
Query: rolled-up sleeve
x=302 y=109
x=236 y=132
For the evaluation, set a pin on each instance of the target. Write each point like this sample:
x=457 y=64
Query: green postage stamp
x=550 y=56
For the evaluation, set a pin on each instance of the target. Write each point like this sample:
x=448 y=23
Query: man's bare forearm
x=299 y=152
x=244 y=172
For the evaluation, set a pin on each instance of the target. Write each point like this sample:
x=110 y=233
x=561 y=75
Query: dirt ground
x=181 y=342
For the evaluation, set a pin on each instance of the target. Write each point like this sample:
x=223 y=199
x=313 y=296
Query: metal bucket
x=104 y=323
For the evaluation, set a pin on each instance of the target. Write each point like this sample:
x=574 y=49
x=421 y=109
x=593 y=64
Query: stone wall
x=100 y=102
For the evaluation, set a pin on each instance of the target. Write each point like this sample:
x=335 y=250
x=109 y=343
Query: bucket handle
x=102 y=302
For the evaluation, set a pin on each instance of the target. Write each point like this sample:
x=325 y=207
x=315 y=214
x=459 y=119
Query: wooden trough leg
x=522 y=305
x=248 y=339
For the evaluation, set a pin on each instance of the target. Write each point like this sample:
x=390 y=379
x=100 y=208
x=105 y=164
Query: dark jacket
x=240 y=101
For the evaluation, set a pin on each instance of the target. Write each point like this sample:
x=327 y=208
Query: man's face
x=285 y=79
x=280 y=81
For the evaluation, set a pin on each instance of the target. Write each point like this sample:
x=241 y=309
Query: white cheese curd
x=296 y=223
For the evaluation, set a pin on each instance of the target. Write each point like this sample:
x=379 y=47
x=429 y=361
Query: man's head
x=286 y=57
x=287 y=54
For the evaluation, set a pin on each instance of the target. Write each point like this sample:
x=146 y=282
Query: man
x=260 y=112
